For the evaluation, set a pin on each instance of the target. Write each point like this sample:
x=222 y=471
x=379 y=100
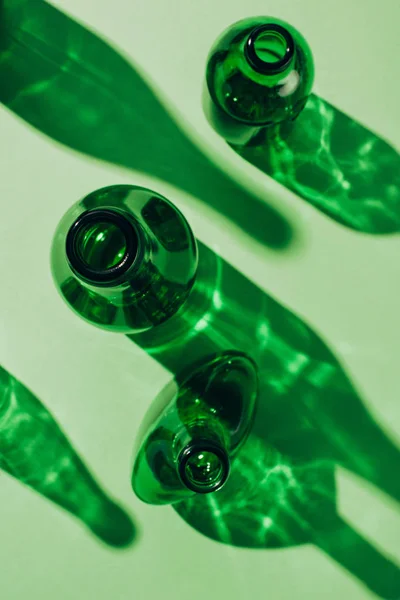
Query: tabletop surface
x=98 y=385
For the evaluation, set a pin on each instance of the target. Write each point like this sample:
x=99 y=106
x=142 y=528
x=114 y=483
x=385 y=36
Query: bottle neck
x=107 y=250
x=202 y=455
x=269 y=49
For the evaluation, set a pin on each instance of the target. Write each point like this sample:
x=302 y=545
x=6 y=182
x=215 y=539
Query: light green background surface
x=98 y=385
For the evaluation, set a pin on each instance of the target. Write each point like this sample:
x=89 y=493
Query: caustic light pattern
x=272 y=501
x=34 y=450
x=337 y=165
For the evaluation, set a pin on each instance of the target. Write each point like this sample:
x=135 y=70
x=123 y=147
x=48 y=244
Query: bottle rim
x=252 y=57
x=196 y=447
x=114 y=273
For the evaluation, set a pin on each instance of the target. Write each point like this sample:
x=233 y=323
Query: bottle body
x=124 y=258
x=194 y=429
x=259 y=75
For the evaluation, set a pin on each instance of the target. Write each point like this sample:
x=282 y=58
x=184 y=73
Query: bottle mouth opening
x=101 y=246
x=269 y=49
x=203 y=466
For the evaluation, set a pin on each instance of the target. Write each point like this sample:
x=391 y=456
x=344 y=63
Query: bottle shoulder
x=252 y=97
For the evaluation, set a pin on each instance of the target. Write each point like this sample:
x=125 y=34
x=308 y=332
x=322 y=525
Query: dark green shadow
x=274 y=501
x=34 y=450
x=75 y=88
x=336 y=164
x=310 y=419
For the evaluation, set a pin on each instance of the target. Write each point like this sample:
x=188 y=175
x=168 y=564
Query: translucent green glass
x=124 y=258
x=327 y=158
x=34 y=450
x=259 y=74
x=195 y=428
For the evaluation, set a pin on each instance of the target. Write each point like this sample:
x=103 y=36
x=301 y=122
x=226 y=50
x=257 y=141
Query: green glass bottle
x=259 y=74
x=194 y=429
x=124 y=258
x=34 y=450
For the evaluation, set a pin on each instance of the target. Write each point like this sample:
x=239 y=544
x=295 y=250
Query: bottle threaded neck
x=269 y=49
x=203 y=466
x=101 y=246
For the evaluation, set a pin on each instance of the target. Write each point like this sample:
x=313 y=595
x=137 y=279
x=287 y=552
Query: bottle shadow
x=75 y=88
x=336 y=164
x=34 y=450
x=310 y=419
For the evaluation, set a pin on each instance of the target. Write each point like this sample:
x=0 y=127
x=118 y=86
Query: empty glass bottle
x=195 y=428
x=124 y=258
x=259 y=74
